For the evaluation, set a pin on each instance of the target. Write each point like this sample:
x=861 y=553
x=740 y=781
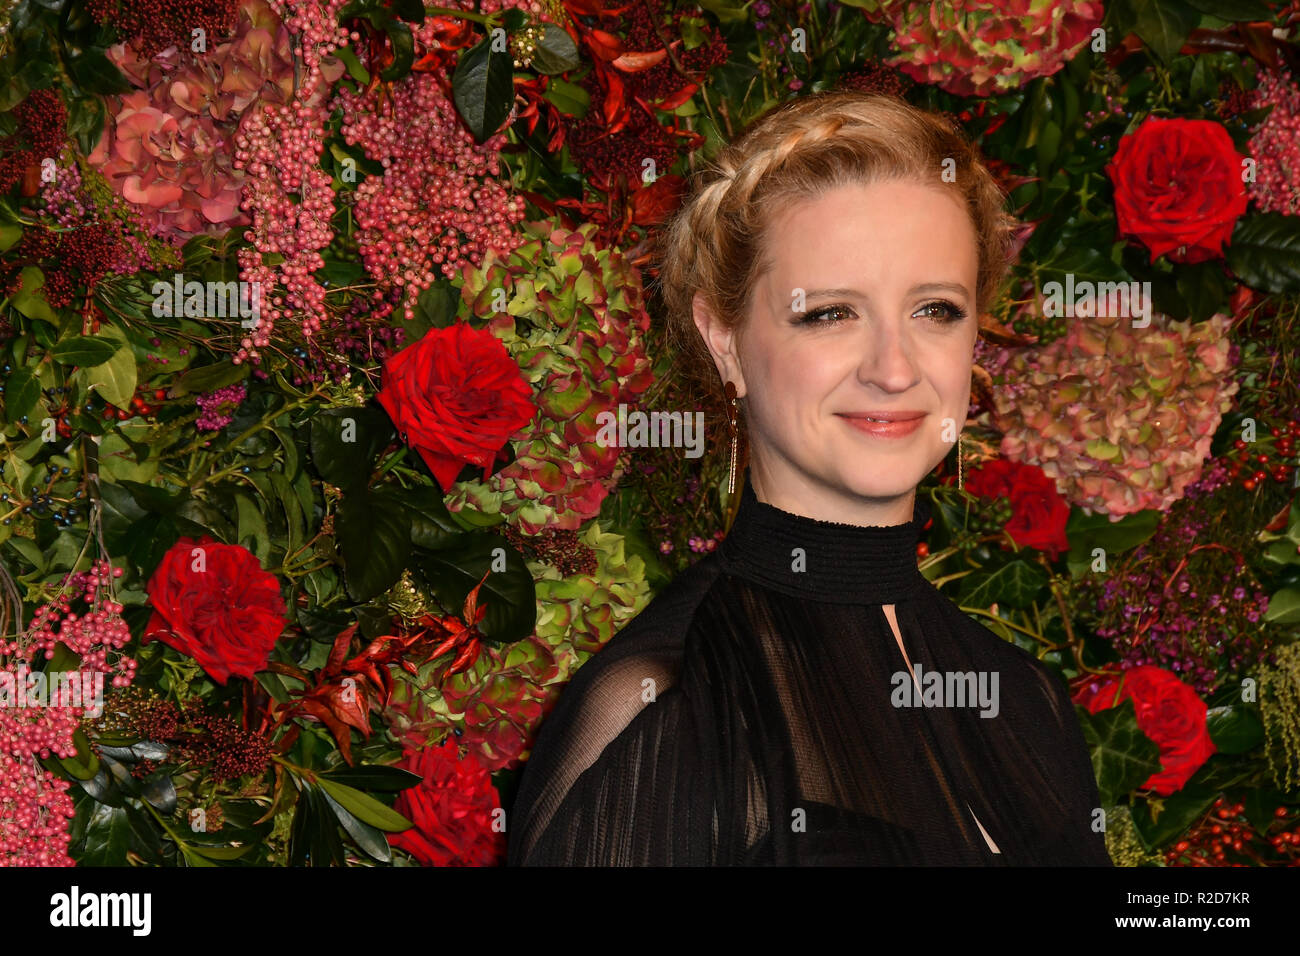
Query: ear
x=721 y=343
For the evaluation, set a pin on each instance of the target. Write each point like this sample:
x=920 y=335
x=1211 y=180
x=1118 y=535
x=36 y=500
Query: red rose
x=456 y=396
x=1168 y=711
x=452 y=810
x=1038 y=512
x=1178 y=187
x=213 y=602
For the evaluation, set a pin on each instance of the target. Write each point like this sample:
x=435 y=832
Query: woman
x=803 y=695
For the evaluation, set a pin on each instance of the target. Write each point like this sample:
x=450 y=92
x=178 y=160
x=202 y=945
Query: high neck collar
x=841 y=563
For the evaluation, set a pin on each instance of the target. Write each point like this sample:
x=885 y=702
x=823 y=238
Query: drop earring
x=733 y=432
x=961 y=469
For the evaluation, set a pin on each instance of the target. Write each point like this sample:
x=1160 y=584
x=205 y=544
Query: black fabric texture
x=752 y=714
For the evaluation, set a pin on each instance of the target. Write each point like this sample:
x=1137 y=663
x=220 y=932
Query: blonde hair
x=716 y=243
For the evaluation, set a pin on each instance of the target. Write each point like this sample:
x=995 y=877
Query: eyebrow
x=956 y=287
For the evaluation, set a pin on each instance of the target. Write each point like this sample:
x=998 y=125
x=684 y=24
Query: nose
x=888 y=357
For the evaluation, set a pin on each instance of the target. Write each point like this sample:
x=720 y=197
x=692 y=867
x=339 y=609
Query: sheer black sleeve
x=613 y=778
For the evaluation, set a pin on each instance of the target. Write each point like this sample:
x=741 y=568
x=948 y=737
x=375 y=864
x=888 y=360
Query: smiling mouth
x=886 y=420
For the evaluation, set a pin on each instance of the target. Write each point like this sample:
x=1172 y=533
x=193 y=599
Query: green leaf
x=1178 y=812
x=108 y=834
x=1085 y=264
x=1123 y=757
x=251 y=524
x=569 y=98
x=85 y=763
x=483 y=88
x=1261 y=807
x=85 y=350
x=1233 y=10
x=1164 y=26
x=556 y=51
x=1265 y=252
x=346 y=441
x=114 y=379
x=1234 y=729
x=370 y=839
x=403 y=44
x=374 y=777
x=10 y=233
x=28 y=302
x=209 y=378
x=432 y=526
x=222 y=852
x=95 y=73
x=22 y=393
x=1086 y=532
x=354 y=67
x=509 y=594
x=1284 y=606
x=365 y=807
x=1015 y=584
x=375 y=542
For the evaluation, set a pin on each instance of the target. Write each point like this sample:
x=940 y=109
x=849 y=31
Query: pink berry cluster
x=34 y=804
x=217 y=408
x=1276 y=144
x=438 y=205
x=287 y=194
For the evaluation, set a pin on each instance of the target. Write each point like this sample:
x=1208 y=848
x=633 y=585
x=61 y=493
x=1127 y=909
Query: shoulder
x=1028 y=684
x=638 y=664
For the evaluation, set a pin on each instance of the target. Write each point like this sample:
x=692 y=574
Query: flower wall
x=312 y=311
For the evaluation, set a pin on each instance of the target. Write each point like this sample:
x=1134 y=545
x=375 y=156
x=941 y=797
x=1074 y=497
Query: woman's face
x=895 y=336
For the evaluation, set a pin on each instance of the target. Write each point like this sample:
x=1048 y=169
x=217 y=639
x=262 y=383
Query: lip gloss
x=885 y=429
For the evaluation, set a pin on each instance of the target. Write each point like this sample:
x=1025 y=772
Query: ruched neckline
x=839 y=563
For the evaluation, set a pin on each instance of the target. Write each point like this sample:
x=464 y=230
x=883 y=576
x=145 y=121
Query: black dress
x=759 y=711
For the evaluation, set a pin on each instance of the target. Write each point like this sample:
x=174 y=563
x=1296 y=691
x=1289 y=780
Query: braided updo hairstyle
x=716 y=243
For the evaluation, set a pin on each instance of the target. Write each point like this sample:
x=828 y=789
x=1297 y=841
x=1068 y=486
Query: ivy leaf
x=1014 y=584
x=1123 y=757
x=1176 y=813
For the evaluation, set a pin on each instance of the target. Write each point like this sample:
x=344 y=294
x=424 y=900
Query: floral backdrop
x=311 y=310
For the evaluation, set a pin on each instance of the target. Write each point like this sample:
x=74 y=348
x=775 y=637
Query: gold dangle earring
x=961 y=470
x=733 y=431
